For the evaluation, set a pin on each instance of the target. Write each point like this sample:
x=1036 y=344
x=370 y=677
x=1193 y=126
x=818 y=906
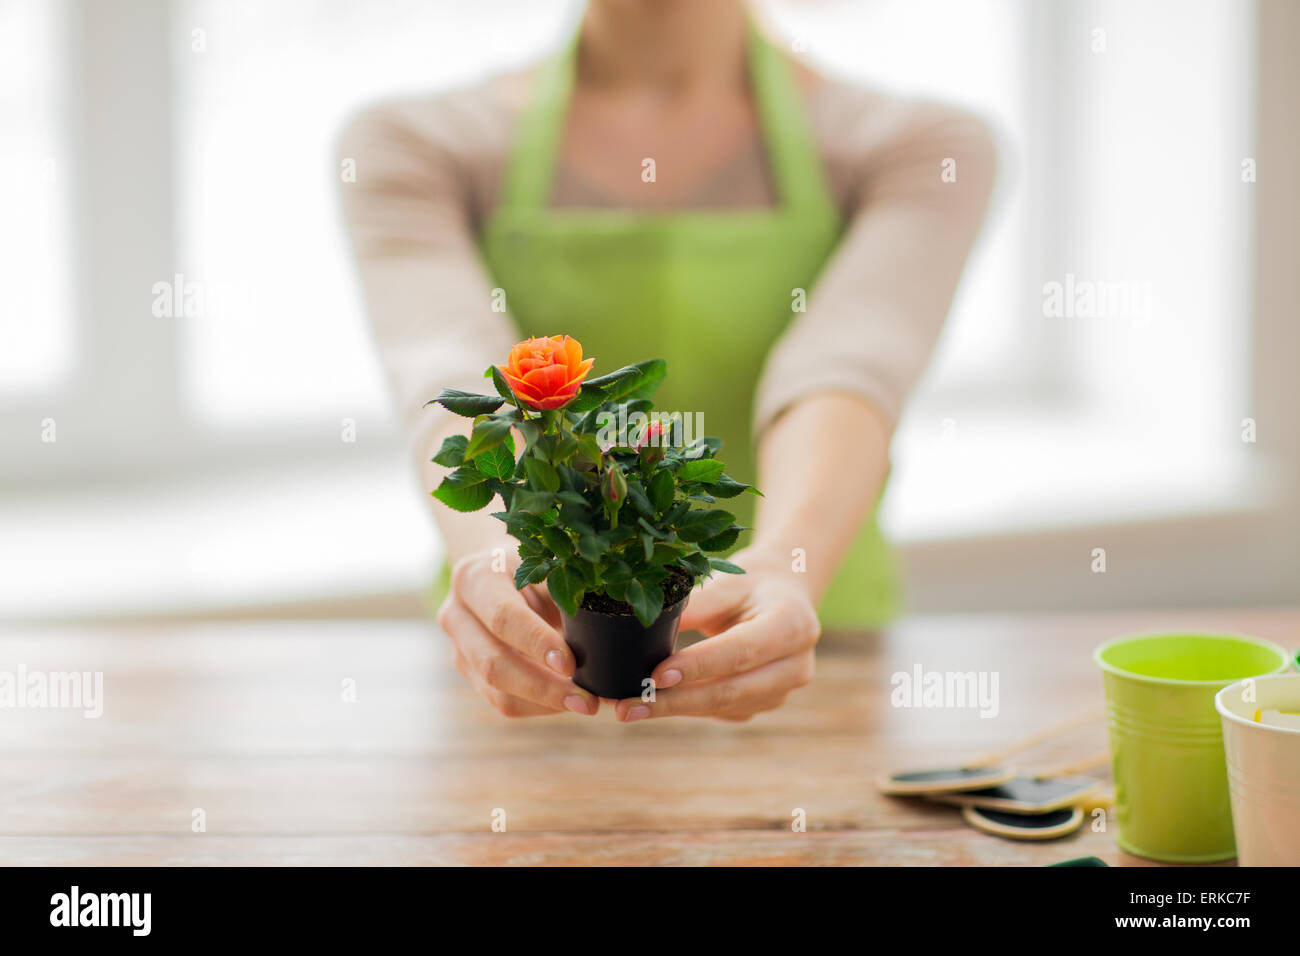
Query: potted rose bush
x=612 y=508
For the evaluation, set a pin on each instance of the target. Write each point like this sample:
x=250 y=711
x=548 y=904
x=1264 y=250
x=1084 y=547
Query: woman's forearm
x=821 y=466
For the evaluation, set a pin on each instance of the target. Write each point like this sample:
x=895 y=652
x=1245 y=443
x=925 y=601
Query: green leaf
x=618 y=535
x=586 y=573
x=652 y=575
x=465 y=476
x=587 y=455
x=519 y=523
x=558 y=542
x=618 y=572
x=566 y=589
x=648 y=546
x=465 y=403
x=728 y=487
x=630 y=381
x=707 y=470
x=647 y=601
x=564 y=449
x=636 y=494
x=572 y=498
x=664 y=554
x=465 y=489
x=726 y=567
x=661 y=490
x=721 y=542
x=536 y=502
x=589 y=397
x=652 y=530
x=703 y=523
x=531 y=430
x=541 y=474
x=504 y=489
x=531 y=571
x=611 y=378
x=498 y=462
x=695 y=562
x=641 y=385
x=592 y=547
x=452 y=452
x=577 y=520
x=703 y=447
x=502 y=386
x=488 y=433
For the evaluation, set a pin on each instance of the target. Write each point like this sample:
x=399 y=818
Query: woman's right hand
x=507 y=642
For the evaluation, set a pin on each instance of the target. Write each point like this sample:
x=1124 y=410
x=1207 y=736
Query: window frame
x=126 y=362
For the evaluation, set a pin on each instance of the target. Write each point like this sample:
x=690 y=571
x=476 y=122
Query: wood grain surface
x=249 y=723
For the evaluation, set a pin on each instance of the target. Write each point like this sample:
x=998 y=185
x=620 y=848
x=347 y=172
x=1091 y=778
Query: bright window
x=262 y=91
x=1123 y=130
x=37 y=291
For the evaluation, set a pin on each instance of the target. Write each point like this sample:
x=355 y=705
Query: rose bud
x=614 y=485
x=651 y=435
x=651 y=442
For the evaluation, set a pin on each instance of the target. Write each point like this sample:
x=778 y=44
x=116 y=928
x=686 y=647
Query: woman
x=673 y=186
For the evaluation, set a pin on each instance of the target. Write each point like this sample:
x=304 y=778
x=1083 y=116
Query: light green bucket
x=1166 y=742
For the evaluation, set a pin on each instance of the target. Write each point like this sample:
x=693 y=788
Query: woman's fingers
x=507 y=615
x=506 y=705
x=513 y=684
x=779 y=631
x=732 y=698
x=712 y=608
x=541 y=602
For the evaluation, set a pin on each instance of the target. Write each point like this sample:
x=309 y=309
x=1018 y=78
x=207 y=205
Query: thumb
x=709 y=611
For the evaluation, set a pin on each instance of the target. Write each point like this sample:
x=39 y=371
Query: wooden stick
x=997 y=756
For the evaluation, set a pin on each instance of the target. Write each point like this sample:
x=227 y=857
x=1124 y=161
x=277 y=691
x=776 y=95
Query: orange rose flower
x=546 y=373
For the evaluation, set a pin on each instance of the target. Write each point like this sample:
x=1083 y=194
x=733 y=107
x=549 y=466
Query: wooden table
x=248 y=723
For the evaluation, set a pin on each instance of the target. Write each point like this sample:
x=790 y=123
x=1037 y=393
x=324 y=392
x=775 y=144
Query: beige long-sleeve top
x=912 y=180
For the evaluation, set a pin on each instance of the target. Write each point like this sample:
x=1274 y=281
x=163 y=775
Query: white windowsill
x=1032 y=473
x=218 y=543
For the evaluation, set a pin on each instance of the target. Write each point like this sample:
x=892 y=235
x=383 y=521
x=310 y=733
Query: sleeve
x=877 y=309
x=427 y=293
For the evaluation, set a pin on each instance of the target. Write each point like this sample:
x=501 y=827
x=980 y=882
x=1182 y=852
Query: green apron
x=710 y=292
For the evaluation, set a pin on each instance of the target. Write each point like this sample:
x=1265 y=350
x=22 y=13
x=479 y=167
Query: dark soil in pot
x=614 y=652
x=676 y=587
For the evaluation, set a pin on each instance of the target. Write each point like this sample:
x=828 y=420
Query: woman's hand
x=507 y=642
x=761 y=629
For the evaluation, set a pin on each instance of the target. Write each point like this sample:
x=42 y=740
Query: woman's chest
x=644 y=153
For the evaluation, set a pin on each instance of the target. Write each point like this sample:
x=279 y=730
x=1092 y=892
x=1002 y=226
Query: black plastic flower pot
x=615 y=652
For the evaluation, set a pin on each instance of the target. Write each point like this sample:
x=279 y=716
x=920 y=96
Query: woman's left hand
x=761 y=628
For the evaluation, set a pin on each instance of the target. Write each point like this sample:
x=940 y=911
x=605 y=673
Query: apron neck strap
x=797 y=171
x=530 y=172
x=788 y=140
